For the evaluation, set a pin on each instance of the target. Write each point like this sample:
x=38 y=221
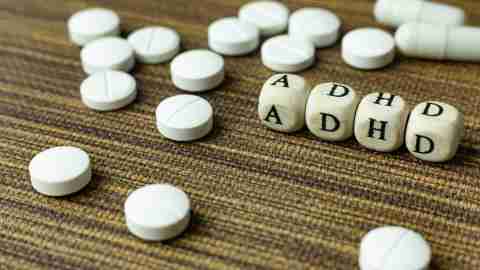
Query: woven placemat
x=261 y=199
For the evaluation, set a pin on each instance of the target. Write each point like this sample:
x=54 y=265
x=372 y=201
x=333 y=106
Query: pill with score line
x=184 y=118
x=108 y=90
x=154 y=45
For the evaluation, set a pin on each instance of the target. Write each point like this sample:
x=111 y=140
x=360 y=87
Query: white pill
x=319 y=26
x=197 y=70
x=395 y=13
x=157 y=212
x=231 y=36
x=110 y=53
x=60 y=171
x=439 y=42
x=91 y=24
x=368 y=48
x=287 y=54
x=184 y=118
x=271 y=17
x=154 y=45
x=108 y=90
x=394 y=248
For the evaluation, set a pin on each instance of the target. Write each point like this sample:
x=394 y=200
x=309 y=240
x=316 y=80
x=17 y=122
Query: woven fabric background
x=261 y=199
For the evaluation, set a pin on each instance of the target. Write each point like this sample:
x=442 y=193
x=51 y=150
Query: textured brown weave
x=261 y=200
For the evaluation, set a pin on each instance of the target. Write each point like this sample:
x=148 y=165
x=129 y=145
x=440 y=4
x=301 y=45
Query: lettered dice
x=434 y=131
x=380 y=122
x=330 y=111
x=282 y=102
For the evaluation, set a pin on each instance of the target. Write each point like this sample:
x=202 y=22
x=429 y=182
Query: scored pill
x=108 y=90
x=154 y=45
x=184 y=117
x=392 y=248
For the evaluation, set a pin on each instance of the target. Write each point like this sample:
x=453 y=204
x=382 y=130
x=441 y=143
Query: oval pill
x=60 y=171
x=287 y=54
x=390 y=247
x=108 y=90
x=271 y=17
x=157 y=212
x=197 y=70
x=184 y=118
x=110 y=53
x=317 y=25
x=439 y=42
x=368 y=48
x=154 y=45
x=91 y=24
x=231 y=36
x=395 y=13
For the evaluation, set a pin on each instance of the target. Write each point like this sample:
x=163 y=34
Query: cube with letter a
x=282 y=101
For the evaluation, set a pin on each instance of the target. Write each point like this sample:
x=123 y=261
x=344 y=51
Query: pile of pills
x=432 y=131
x=334 y=112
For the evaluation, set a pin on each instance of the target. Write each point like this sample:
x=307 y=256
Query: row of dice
x=432 y=131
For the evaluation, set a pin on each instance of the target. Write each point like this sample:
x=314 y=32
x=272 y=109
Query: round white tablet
x=231 y=36
x=319 y=26
x=94 y=23
x=287 y=54
x=184 y=118
x=60 y=171
x=110 y=53
x=197 y=70
x=157 y=212
x=108 y=90
x=271 y=17
x=368 y=48
x=154 y=45
x=394 y=248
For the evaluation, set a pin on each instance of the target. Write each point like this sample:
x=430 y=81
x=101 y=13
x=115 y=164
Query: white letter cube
x=434 y=131
x=380 y=122
x=282 y=101
x=331 y=110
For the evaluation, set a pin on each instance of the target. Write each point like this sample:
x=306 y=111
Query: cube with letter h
x=380 y=122
x=282 y=101
x=434 y=131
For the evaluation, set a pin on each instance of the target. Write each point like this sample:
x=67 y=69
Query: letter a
x=273 y=114
x=283 y=80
